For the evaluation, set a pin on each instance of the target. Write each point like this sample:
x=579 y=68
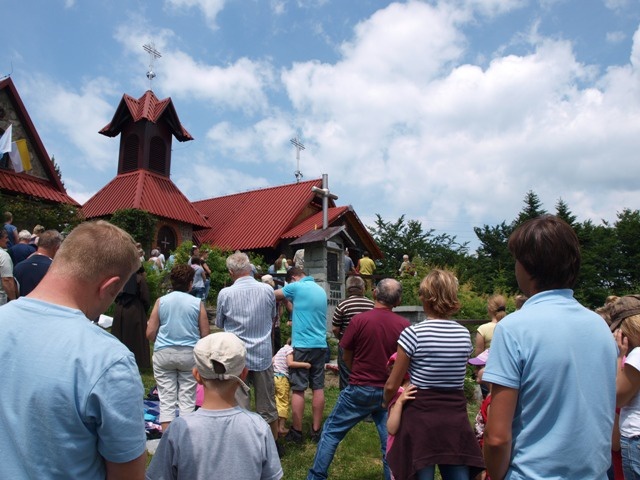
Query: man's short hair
x=294 y=272
x=548 y=249
x=389 y=292
x=24 y=235
x=3 y=233
x=238 y=262
x=96 y=250
x=50 y=239
x=8 y=217
x=355 y=284
x=439 y=292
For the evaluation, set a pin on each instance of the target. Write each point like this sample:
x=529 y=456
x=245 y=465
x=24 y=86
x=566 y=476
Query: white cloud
x=69 y=3
x=210 y=8
x=616 y=4
x=266 y=140
x=615 y=37
x=215 y=181
x=239 y=85
x=399 y=120
x=278 y=7
x=77 y=116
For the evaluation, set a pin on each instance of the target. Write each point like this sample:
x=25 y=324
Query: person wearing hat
x=623 y=314
x=552 y=367
x=221 y=439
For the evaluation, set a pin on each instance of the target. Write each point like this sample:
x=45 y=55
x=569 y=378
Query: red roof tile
x=146 y=107
x=314 y=222
x=255 y=219
x=147 y=191
x=22 y=183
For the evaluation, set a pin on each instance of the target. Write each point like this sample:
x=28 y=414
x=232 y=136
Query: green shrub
x=139 y=224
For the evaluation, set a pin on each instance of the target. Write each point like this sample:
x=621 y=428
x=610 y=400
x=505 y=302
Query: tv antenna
x=154 y=54
x=299 y=146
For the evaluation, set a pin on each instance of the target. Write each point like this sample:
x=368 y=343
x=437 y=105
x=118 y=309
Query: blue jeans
x=630 y=457
x=448 y=472
x=354 y=404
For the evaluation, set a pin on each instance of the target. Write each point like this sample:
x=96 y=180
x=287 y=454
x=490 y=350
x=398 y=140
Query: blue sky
x=445 y=112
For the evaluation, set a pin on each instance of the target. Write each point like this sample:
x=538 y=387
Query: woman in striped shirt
x=435 y=429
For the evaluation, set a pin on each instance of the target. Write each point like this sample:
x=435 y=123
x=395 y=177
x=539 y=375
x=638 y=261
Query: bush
x=139 y=224
x=29 y=212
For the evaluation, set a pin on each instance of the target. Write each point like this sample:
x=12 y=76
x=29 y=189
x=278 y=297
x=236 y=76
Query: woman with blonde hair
x=497 y=310
x=435 y=428
x=623 y=314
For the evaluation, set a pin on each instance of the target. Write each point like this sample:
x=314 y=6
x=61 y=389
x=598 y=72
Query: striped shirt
x=439 y=350
x=246 y=309
x=280 y=364
x=349 y=307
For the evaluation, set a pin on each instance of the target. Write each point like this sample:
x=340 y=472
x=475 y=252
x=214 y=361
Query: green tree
x=562 y=211
x=141 y=225
x=532 y=209
x=493 y=269
x=627 y=232
x=408 y=237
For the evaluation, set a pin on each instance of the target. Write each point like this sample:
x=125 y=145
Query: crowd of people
x=553 y=371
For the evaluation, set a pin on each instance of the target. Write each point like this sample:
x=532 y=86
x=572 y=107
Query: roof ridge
x=259 y=190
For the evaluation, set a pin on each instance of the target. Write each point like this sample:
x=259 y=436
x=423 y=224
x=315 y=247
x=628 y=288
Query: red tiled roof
x=314 y=222
x=147 y=191
x=254 y=219
x=146 y=107
x=22 y=183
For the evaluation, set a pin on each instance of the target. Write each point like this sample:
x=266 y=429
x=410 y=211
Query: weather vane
x=154 y=54
x=299 y=146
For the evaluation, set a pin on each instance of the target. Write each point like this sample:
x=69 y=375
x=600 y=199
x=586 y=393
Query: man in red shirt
x=368 y=343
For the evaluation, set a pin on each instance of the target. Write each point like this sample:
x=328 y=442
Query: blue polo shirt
x=309 y=323
x=561 y=358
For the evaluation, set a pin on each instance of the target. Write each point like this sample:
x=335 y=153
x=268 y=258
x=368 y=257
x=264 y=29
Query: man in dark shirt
x=21 y=250
x=29 y=272
x=370 y=340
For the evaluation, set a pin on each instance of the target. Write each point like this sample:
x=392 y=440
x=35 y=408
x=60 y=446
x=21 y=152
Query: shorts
x=302 y=378
x=283 y=389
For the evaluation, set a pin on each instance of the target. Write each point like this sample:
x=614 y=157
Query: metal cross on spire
x=154 y=54
x=299 y=146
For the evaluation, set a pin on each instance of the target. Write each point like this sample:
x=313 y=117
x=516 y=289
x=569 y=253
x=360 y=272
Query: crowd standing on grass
x=556 y=371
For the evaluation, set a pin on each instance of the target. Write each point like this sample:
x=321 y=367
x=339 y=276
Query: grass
x=358 y=456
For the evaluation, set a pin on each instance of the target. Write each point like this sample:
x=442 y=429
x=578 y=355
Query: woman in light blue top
x=178 y=320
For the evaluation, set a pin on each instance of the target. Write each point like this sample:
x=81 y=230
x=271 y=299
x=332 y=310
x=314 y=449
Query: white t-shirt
x=630 y=413
x=6 y=271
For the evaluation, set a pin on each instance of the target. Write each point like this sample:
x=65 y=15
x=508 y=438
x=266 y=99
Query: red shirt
x=372 y=337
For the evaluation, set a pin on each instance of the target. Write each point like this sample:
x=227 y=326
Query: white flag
x=5 y=141
x=14 y=155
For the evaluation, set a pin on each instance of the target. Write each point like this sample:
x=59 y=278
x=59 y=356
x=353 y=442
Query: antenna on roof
x=150 y=48
x=299 y=146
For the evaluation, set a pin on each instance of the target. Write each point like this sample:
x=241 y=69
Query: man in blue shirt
x=71 y=392
x=552 y=368
x=309 y=341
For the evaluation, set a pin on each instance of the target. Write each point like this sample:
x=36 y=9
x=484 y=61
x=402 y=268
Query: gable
x=41 y=181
